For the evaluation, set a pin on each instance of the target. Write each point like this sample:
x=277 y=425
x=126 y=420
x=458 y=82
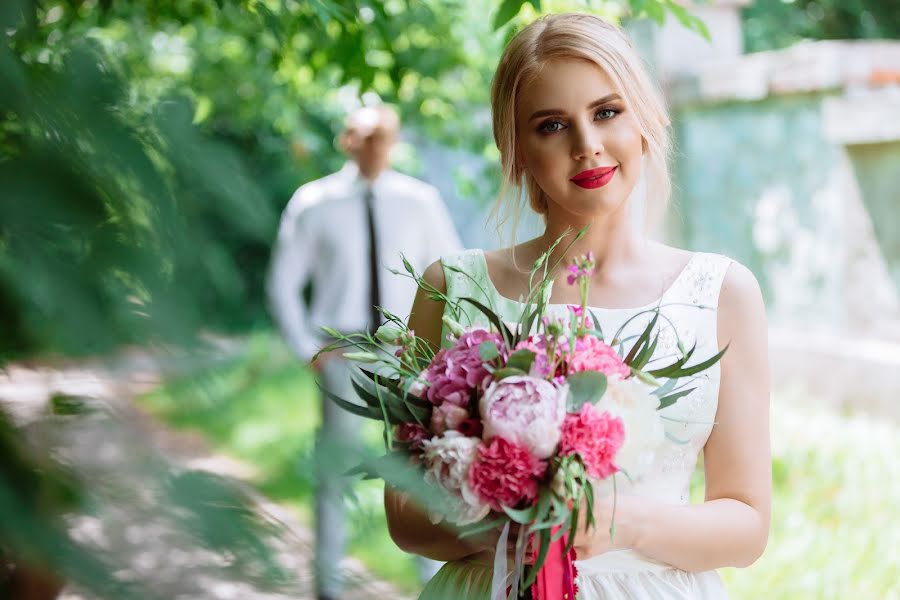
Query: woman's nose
x=586 y=142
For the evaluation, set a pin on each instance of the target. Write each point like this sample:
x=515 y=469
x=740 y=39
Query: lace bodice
x=687 y=307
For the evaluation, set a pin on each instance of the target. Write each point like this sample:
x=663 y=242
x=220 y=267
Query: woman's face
x=578 y=139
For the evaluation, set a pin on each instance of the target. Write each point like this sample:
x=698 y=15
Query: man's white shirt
x=323 y=239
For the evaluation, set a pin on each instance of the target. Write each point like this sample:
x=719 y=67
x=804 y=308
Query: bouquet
x=516 y=422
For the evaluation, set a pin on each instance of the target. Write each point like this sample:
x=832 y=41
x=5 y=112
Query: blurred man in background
x=340 y=235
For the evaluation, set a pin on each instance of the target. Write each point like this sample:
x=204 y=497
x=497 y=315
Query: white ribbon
x=501 y=575
x=498 y=583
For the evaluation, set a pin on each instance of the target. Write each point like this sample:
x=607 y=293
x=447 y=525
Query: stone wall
x=789 y=162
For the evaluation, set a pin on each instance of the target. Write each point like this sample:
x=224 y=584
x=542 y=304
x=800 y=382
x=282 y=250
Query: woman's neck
x=613 y=240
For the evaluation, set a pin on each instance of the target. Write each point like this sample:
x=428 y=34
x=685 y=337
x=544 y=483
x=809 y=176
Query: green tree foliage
x=772 y=24
x=148 y=147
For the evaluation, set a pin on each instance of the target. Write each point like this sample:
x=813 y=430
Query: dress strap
x=464 y=274
x=701 y=282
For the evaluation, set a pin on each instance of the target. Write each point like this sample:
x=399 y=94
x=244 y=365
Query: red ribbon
x=556 y=579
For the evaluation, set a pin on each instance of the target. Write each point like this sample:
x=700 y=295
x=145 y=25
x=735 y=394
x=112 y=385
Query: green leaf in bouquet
x=559 y=511
x=543 y=548
x=584 y=387
x=671 y=399
x=572 y=529
x=680 y=372
x=508 y=372
x=665 y=388
x=523 y=516
x=393 y=384
x=643 y=340
x=501 y=327
x=597 y=330
x=482 y=526
x=646 y=377
x=646 y=353
x=362 y=357
x=453 y=326
x=555 y=537
x=674 y=367
x=588 y=488
x=488 y=351
x=356 y=409
x=521 y=359
x=395 y=409
x=542 y=508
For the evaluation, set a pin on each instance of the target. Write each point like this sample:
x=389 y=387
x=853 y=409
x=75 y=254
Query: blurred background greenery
x=146 y=151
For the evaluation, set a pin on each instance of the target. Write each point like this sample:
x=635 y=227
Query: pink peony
x=505 y=474
x=596 y=437
x=526 y=411
x=593 y=355
x=447 y=416
x=456 y=372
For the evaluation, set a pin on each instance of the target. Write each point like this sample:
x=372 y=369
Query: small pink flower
x=447 y=416
x=541 y=365
x=596 y=437
x=593 y=355
x=505 y=474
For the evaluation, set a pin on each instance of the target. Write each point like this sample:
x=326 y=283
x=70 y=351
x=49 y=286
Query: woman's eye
x=606 y=113
x=550 y=127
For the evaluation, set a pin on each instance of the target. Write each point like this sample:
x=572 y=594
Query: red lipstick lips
x=594 y=178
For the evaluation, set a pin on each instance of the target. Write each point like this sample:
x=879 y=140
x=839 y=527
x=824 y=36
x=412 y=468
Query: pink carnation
x=596 y=437
x=593 y=355
x=505 y=474
x=456 y=372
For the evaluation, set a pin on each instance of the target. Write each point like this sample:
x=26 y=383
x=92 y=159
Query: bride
x=579 y=124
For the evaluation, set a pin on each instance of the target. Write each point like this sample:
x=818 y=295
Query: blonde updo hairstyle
x=584 y=37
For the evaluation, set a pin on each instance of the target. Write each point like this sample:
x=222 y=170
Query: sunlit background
x=157 y=433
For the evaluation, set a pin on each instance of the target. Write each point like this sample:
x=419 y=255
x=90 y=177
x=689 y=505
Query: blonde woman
x=583 y=134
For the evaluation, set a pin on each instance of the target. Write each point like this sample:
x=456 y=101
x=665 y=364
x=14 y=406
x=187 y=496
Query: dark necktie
x=374 y=291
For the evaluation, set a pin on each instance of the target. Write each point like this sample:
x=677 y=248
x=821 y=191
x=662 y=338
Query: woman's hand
x=597 y=540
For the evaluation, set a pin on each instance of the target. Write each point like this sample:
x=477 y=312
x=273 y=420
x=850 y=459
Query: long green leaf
x=356 y=409
x=502 y=329
x=645 y=337
x=645 y=355
x=694 y=369
x=669 y=400
x=543 y=548
x=667 y=370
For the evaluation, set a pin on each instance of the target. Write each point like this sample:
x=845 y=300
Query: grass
x=835 y=532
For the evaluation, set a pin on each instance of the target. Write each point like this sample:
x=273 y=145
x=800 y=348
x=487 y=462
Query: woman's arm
x=408 y=523
x=731 y=527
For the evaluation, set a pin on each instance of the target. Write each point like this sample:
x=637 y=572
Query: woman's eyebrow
x=558 y=111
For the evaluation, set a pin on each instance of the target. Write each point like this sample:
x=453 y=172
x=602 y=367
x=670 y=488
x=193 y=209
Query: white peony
x=447 y=459
x=631 y=400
